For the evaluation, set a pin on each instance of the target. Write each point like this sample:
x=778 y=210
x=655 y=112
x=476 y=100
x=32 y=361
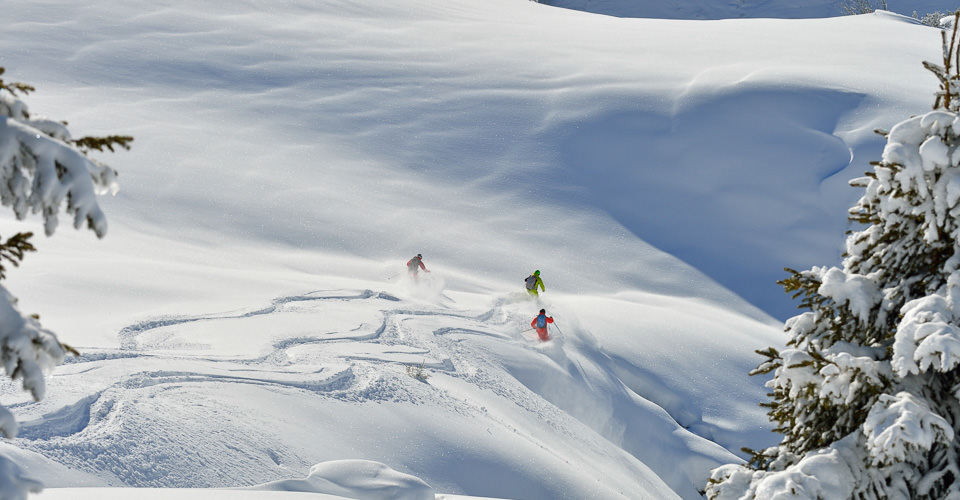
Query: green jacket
x=537 y=283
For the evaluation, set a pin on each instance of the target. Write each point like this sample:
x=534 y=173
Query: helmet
x=419 y=256
x=536 y=273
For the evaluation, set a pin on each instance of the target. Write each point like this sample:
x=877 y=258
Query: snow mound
x=359 y=479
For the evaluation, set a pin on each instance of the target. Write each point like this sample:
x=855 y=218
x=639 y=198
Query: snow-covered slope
x=324 y=376
x=247 y=317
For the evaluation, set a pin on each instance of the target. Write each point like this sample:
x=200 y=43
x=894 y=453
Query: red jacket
x=534 y=322
x=413 y=263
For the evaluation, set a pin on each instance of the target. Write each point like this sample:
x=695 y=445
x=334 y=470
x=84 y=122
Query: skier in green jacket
x=532 y=282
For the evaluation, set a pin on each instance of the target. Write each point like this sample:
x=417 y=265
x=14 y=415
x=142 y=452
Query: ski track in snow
x=119 y=431
x=92 y=410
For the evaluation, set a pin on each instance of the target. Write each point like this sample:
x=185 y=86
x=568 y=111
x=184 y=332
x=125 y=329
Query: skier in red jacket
x=540 y=323
x=414 y=266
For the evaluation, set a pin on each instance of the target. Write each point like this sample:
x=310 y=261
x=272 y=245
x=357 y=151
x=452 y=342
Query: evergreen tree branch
x=14 y=87
x=86 y=144
x=13 y=251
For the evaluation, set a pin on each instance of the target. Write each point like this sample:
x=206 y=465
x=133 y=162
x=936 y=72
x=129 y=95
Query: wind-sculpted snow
x=66 y=421
x=258 y=396
x=644 y=166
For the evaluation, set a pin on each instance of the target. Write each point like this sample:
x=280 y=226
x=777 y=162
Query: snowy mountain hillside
x=324 y=376
x=248 y=316
x=707 y=9
x=486 y=147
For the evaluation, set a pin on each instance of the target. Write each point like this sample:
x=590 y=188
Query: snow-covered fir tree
x=867 y=392
x=42 y=170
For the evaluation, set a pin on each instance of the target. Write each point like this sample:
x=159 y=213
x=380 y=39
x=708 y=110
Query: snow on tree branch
x=867 y=394
x=27 y=350
x=42 y=170
x=43 y=173
x=13 y=485
x=928 y=338
x=903 y=425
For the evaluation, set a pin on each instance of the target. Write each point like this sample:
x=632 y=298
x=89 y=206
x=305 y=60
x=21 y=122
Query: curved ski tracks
x=365 y=363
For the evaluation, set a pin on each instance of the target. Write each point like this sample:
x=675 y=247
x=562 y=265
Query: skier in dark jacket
x=540 y=323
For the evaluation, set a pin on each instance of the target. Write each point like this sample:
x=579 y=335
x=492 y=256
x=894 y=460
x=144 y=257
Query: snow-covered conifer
x=867 y=392
x=854 y=7
x=42 y=170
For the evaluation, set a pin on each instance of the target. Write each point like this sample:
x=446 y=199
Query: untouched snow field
x=248 y=322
